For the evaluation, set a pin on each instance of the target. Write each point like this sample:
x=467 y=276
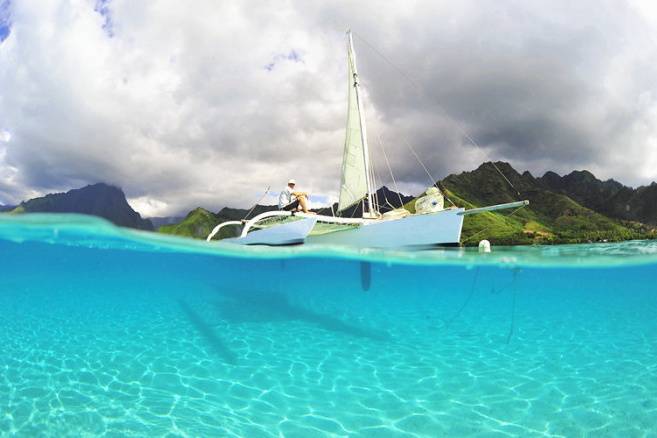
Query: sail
x=353 y=185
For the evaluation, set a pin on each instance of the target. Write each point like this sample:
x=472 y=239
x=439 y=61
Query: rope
x=257 y=202
x=474 y=143
x=385 y=58
x=512 y=325
x=385 y=198
x=488 y=228
x=394 y=182
x=375 y=195
x=431 y=179
x=465 y=303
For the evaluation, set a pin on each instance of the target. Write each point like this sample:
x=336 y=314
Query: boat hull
x=415 y=231
x=292 y=233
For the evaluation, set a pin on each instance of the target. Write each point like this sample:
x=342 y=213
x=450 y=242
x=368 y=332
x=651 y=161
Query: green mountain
x=551 y=217
x=610 y=197
x=237 y=214
x=635 y=204
x=582 y=187
x=100 y=199
x=198 y=224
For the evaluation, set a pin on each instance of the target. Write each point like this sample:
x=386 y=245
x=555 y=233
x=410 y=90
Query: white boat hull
x=292 y=233
x=415 y=231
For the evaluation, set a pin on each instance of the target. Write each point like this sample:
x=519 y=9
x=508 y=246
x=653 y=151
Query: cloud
x=208 y=104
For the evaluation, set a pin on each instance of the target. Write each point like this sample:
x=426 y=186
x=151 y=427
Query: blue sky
x=292 y=56
x=103 y=8
x=5 y=24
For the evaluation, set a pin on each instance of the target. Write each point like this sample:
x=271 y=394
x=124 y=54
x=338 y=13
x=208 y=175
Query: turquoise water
x=107 y=331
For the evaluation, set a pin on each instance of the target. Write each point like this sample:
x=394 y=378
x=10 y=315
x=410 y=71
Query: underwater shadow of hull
x=244 y=306
x=209 y=334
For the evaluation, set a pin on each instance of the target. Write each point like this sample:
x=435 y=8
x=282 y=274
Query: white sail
x=354 y=185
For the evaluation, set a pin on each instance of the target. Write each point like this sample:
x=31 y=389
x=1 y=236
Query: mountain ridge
x=609 y=197
x=551 y=217
x=100 y=199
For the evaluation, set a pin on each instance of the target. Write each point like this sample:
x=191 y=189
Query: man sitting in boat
x=289 y=200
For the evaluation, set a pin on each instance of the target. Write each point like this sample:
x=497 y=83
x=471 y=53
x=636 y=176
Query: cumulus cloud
x=208 y=103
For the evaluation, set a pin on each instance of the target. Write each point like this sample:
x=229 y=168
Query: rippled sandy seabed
x=100 y=338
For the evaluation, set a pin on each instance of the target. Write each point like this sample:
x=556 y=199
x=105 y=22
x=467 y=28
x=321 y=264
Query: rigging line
x=489 y=227
x=431 y=179
x=356 y=205
x=375 y=175
x=513 y=307
x=376 y=178
x=474 y=143
x=385 y=58
x=467 y=300
x=385 y=155
x=376 y=194
x=257 y=202
x=375 y=197
x=434 y=182
x=385 y=197
x=417 y=85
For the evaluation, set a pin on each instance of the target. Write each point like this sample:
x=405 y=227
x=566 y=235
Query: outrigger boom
x=495 y=207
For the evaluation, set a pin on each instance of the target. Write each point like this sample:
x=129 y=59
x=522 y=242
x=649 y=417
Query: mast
x=372 y=213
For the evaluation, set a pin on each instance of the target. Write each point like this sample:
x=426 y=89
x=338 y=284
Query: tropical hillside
x=551 y=217
x=198 y=224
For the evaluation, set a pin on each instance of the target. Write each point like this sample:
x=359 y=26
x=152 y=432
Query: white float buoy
x=484 y=246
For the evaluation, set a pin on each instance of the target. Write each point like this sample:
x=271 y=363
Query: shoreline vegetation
x=575 y=208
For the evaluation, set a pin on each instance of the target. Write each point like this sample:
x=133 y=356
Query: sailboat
x=431 y=225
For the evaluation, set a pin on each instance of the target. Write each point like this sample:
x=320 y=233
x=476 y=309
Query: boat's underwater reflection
x=241 y=306
x=365 y=276
x=248 y=306
x=208 y=333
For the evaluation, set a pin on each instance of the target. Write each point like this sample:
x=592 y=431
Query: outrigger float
x=431 y=225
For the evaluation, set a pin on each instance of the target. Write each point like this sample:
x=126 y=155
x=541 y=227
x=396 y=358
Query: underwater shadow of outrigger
x=208 y=333
x=241 y=306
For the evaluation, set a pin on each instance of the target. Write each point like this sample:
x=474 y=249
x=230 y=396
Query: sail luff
x=363 y=129
x=356 y=181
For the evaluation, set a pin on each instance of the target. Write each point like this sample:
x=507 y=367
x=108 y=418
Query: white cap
x=292 y=181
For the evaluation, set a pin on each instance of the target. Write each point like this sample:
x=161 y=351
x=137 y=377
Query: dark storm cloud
x=529 y=82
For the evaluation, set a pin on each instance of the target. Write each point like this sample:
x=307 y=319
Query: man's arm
x=282 y=200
